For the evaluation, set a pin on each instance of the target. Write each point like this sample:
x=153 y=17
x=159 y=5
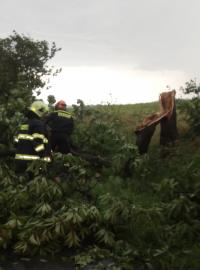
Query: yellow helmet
x=39 y=108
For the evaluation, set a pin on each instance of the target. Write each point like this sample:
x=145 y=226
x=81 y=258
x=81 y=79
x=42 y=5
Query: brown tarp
x=167 y=119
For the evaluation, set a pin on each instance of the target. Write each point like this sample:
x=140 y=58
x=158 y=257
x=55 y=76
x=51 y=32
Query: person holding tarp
x=167 y=119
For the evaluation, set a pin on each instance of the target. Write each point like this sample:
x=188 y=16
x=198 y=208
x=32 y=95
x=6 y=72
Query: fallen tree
x=167 y=120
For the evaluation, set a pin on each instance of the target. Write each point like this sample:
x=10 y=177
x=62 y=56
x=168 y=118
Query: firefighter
x=61 y=124
x=31 y=139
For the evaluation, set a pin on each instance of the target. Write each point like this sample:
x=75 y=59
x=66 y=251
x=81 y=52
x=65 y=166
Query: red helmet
x=60 y=105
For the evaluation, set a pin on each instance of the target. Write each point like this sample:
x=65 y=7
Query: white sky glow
x=112 y=50
x=102 y=85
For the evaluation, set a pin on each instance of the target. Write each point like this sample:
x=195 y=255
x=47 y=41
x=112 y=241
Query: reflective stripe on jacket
x=32 y=142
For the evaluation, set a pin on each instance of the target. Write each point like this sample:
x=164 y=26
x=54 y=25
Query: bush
x=192 y=106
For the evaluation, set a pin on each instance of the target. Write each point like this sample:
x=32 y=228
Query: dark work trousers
x=60 y=142
x=20 y=168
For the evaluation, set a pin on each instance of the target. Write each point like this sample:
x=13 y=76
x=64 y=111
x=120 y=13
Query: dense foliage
x=23 y=72
x=192 y=106
x=103 y=202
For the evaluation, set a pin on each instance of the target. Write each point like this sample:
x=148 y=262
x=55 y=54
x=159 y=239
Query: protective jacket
x=32 y=142
x=61 y=124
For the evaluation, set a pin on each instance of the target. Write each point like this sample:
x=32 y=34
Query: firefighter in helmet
x=61 y=124
x=31 y=139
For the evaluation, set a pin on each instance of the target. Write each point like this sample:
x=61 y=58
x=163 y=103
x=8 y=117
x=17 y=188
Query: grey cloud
x=147 y=34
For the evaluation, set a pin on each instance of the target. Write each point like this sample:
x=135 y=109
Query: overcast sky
x=119 y=51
